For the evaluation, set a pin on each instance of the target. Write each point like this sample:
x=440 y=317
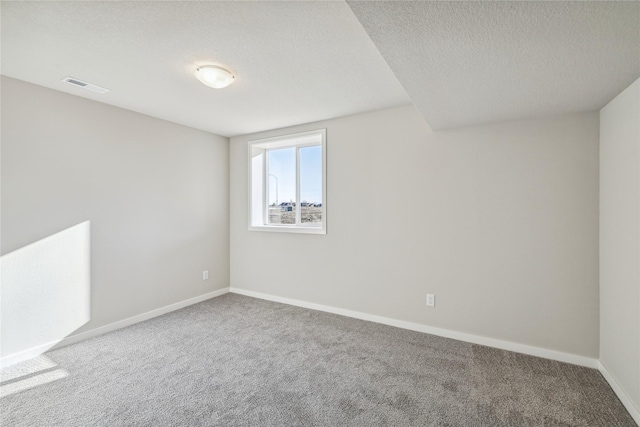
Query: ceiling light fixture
x=214 y=76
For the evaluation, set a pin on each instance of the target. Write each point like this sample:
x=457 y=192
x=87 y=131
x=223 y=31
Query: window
x=287 y=183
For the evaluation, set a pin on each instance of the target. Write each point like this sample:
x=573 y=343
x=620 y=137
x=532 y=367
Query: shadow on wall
x=45 y=293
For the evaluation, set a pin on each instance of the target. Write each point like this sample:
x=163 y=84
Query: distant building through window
x=288 y=181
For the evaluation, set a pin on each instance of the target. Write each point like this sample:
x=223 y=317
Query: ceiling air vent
x=85 y=85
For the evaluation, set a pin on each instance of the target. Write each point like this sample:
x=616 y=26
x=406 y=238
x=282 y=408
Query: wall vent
x=84 y=85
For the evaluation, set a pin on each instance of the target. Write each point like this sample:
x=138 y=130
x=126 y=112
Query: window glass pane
x=282 y=186
x=311 y=185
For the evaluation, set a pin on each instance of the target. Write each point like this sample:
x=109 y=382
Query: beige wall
x=500 y=222
x=155 y=195
x=620 y=240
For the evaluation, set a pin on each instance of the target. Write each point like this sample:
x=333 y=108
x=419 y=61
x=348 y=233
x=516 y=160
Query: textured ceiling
x=296 y=62
x=461 y=63
x=466 y=63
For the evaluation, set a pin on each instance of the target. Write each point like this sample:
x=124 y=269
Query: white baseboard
x=72 y=339
x=624 y=398
x=461 y=336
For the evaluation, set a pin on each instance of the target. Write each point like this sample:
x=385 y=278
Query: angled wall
x=620 y=242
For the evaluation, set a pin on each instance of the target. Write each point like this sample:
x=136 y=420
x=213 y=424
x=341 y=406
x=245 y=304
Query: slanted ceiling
x=460 y=63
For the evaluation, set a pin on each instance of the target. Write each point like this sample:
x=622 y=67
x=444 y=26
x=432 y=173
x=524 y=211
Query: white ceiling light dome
x=214 y=76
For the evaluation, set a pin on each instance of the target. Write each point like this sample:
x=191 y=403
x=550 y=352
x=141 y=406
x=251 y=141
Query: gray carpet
x=239 y=361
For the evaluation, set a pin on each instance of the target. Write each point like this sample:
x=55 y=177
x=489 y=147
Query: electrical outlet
x=205 y=275
x=431 y=300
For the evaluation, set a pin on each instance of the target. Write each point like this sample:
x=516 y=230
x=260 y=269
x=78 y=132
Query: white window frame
x=258 y=219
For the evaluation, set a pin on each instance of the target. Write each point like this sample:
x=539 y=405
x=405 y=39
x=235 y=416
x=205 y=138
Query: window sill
x=288 y=229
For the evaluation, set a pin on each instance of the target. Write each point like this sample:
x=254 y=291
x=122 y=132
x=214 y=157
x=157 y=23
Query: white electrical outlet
x=205 y=275
x=431 y=300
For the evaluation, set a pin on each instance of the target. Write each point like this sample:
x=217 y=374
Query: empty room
x=320 y=213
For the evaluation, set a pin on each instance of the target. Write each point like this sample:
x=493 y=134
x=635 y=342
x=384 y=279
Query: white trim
x=266 y=192
x=302 y=139
x=461 y=336
x=324 y=181
x=297 y=141
x=72 y=339
x=288 y=229
x=624 y=398
x=298 y=199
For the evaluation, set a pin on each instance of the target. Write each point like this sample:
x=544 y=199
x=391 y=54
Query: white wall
x=620 y=240
x=499 y=221
x=154 y=194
